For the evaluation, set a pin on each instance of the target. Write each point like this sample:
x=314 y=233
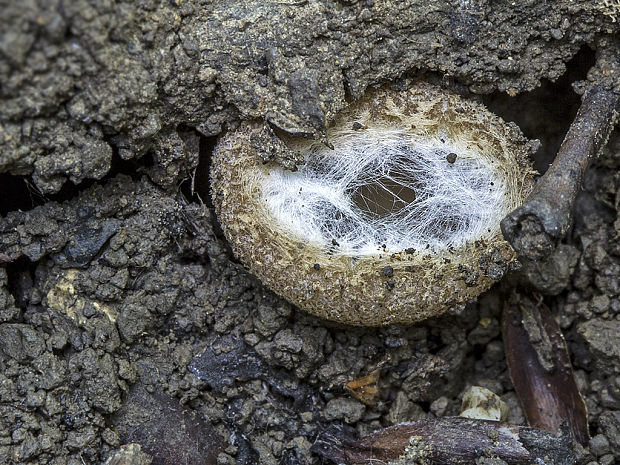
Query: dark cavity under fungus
x=389 y=194
x=384 y=196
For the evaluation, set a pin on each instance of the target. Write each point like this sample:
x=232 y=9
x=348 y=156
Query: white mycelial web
x=383 y=190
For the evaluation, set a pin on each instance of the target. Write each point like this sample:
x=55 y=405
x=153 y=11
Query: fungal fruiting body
x=397 y=222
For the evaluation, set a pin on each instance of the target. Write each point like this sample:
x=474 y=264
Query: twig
x=534 y=228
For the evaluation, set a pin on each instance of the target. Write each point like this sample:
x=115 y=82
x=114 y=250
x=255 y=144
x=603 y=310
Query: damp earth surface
x=122 y=309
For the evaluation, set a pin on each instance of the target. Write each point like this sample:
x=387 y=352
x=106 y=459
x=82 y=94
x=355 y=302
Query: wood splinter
x=447 y=441
x=534 y=228
x=540 y=369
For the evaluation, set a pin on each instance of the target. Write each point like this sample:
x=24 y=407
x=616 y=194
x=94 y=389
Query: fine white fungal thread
x=388 y=189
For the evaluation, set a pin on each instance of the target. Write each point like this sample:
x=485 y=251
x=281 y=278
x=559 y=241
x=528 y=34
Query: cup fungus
x=397 y=223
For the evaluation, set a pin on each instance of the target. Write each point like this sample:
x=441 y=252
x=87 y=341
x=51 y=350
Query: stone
x=481 y=403
x=341 y=408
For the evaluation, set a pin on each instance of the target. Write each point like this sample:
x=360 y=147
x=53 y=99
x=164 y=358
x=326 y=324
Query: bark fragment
x=365 y=388
x=447 y=441
x=540 y=369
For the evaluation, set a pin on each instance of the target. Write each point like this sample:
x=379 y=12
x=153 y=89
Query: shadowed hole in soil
x=130 y=167
x=21 y=277
x=435 y=344
x=20 y=193
x=546 y=112
x=198 y=188
x=478 y=351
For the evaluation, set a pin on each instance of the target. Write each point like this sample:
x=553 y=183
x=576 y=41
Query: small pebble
x=481 y=403
x=439 y=406
x=599 y=445
x=607 y=459
x=340 y=408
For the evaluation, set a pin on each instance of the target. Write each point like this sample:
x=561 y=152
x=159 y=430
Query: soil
x=124 y=318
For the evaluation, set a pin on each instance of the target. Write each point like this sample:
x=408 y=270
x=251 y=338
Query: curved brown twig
x=534 y=228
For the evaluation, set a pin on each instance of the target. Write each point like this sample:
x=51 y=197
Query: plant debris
x=540 y=369
x=448 y=441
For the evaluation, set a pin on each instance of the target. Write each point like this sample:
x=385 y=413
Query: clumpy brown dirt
x=124 y=317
